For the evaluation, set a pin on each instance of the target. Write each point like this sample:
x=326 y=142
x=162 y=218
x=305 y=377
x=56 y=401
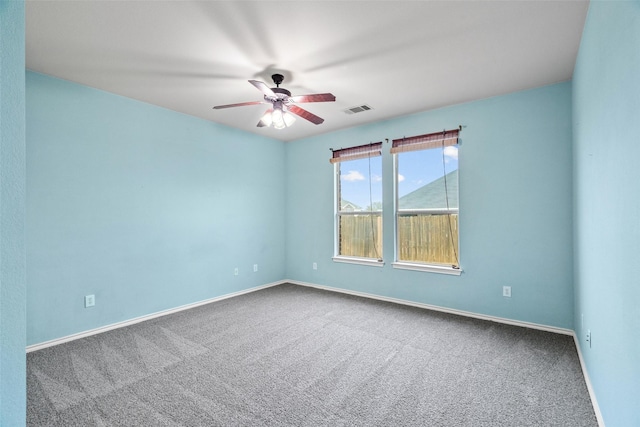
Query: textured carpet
x=294 y=356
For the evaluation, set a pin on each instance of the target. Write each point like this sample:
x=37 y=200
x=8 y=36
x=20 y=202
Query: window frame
x=337 y=257
x=397 y=213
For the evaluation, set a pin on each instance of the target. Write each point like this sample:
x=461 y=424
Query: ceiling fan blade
x=241 y=104
x=305 y=114
x=318 y=97
x=262 y=87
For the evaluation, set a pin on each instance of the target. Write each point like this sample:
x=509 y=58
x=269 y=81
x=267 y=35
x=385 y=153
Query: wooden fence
x=422 y=238
x=356 y=236
x=427 y=238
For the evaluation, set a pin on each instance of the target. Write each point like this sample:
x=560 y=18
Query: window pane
x=421 y=179
x=430 y=239
x=427 y=180
x=354 y=185
x=360 y=236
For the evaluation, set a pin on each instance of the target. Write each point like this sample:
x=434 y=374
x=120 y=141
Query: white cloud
x=376 y=178
x=352 y=176
x=400 y=178
x=451 y=152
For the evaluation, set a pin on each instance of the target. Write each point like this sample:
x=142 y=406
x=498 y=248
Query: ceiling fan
x=280 y=115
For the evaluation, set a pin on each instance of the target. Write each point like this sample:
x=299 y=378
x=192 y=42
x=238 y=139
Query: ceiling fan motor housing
x=279 y=90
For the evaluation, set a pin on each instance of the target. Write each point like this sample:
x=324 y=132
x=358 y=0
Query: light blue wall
x=515 y=202
x=12 y=185
x=149 y=209
x=146 y=208
x=606 y=127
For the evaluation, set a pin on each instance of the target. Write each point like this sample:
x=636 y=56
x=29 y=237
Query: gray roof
x=432 y=195
x=346 y=205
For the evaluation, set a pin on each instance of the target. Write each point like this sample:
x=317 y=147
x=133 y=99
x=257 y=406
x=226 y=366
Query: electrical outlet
x=255 y=267
x=506 y=291
x=89 y=301
x=315 y=265
x=235 y=271
x=589 y=337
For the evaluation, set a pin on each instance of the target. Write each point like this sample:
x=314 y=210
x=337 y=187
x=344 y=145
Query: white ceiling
x=399 y=57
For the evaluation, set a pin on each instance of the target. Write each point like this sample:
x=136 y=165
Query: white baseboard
x=133 y=321
x=530 y=325
x=594 y=402
x=51 y=343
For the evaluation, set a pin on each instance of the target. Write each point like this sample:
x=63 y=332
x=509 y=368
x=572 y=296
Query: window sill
x=427 y=267
x=361 y=261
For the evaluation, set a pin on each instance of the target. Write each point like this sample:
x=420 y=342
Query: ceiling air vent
x=358 y=109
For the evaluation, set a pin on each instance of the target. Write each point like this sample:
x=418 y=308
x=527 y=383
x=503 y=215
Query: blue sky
x=416 y=168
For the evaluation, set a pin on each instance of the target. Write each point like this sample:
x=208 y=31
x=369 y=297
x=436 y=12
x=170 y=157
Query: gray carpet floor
x=296 y=356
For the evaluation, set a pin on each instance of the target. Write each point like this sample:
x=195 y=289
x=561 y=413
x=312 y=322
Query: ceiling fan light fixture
x=267 y=120
x=288 y=118
x=278 y=119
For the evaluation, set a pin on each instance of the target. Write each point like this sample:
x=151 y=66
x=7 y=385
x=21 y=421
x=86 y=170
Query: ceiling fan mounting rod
x=277 y=79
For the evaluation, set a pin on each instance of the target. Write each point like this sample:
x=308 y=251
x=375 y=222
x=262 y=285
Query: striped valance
x=423 y=142
x=360 y=152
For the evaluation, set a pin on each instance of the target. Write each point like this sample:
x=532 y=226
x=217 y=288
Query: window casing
x=358 y=204
x=427 y=208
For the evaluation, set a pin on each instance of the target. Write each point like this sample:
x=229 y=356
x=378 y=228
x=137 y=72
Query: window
x=358 y=204
x=426 y=181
